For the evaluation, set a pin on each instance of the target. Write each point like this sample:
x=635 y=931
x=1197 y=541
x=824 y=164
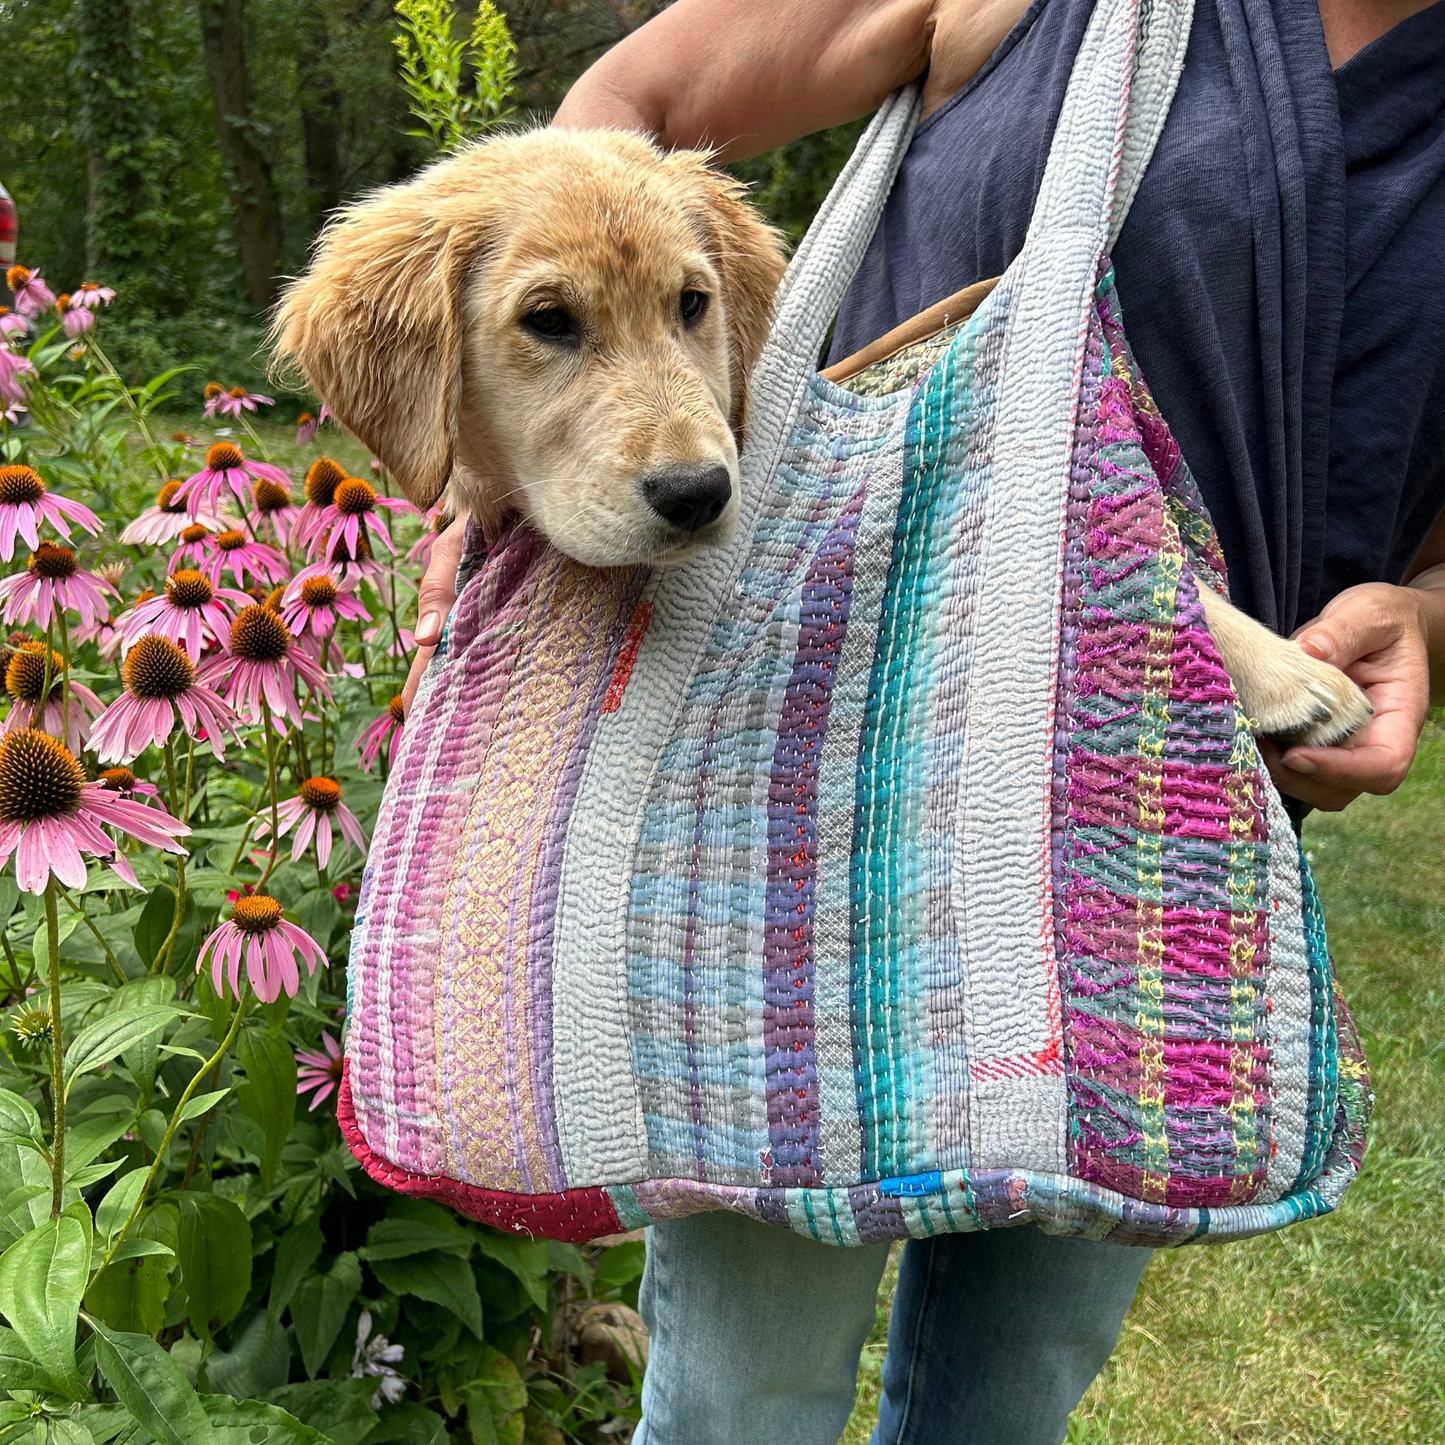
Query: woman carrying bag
x=1279 y=274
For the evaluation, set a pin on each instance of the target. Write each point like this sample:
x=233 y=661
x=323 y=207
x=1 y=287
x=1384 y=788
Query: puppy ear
x=750 y=256
x=375 y=324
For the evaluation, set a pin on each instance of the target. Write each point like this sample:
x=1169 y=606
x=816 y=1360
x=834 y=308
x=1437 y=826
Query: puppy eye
x=693 y=305
x=551 y=323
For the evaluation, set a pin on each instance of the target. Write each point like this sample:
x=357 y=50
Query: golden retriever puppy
x=561 y=324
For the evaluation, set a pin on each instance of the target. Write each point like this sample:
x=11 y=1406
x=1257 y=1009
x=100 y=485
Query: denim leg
x=755 y=1332
x=995 y=1336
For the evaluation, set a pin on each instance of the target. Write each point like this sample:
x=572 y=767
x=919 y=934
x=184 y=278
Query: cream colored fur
x=411 y=326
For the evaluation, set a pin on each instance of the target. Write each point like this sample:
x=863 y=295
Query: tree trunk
x=320 y=107
x=112 y=125
x=249 y=182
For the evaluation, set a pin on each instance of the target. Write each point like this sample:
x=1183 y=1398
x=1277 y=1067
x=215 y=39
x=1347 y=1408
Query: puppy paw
x=1301 y=700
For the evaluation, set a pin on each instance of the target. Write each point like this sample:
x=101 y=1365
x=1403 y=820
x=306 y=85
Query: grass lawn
x=1332 y=1331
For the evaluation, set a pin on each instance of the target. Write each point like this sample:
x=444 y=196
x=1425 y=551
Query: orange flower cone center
x=230 y=541
x=166 y=498
x=57 y=563
x=323 y=794
x=318 y=592
x=19 y=485
x=118 y=780
x=39 y=777
x=187 y=588
x=323 y=476
x=156 y=668
x=271 y=496
x=222 y=455
x=259 y=635
x=397 y=708
x=354 y=497
x=213 y=389
x=25 y=673
x=256 y=915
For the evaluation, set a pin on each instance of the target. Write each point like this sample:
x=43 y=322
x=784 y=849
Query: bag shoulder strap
x=1134 y=63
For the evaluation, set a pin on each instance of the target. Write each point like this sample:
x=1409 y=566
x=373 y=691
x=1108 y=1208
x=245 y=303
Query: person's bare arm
x=744 y=76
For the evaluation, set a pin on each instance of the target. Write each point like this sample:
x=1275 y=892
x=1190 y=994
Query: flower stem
x=174 y=1124
x=271 y=786
x=163 y=957
x=157 y=460
x=64 y=675
x=251 y=432
x=57 y=1052
x=99 y=936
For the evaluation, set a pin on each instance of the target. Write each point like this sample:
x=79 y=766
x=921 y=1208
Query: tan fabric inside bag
x=899 y=358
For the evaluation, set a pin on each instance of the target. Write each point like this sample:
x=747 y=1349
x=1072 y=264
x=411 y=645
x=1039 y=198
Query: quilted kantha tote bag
x=905 y=866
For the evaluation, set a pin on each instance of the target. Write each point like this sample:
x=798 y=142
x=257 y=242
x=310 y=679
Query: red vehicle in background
x=8 y=228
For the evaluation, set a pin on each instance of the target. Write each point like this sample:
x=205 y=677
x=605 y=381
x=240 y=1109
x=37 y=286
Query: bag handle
x=1113 y=72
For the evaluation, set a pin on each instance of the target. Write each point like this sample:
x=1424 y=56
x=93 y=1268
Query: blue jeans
x=756 y=1333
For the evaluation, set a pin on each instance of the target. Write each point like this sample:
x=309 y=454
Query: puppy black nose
x=688 y=497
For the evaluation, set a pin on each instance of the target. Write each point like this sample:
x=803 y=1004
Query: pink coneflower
x=233 y=402
x=25 y=682
x=315 y=601
x=270 y=945
x=52 y=577
x=314 y=807
x=49 y=815
x=32 y=296
x=319 y=1071
x=190 y=612
x=160 y=681
x=419 y=553
x=12 y=395
x=264 y=662
x=91 y=296
x=375 y=733
x=125 y=782
x=306 y=425
x=12 y=324
x=73 y=318
x=25 y=504
x=323 y=476
x=227 y=467
x=275 y=512
x=234 y=549
x=352 y=514
x=167 y=519
x=193 y=551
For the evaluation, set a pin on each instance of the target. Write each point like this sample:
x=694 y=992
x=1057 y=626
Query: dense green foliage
x=188 y=1252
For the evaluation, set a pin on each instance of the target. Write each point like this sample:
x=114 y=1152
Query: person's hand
x=434 y=601
x=1382 y=637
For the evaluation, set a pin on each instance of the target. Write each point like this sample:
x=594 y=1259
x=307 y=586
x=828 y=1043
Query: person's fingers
x=1296 y=785
x=438 y=586
x=1360 y=621
x=1374 y=761
x=413 y=678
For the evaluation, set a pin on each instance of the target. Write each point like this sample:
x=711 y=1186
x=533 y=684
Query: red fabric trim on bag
x=575 y=1216
x=631 y=645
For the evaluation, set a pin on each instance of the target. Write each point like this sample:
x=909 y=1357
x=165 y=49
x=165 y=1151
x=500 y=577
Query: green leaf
x=120 y=1199
x=150 y=1385
x=436 y=1277
x=259 y=1361
x=143 y=1058
x=110 y=1036
x=567 y=1259
x=9 y=897
x=526 y=1258
x=409 y=1424
x=42 y=1279
x=19 y=1123
x=91 y=1137
x=131 y=1293
x=250 y=1422
x=269 y=1093
x=337 y=1408
x=319 y=1310
x=215 y=1257
x=198 y=1104
x=154 y=925
x=398 y=1238
x=18 y=1369
x=141 y=1249
x=298 y=1250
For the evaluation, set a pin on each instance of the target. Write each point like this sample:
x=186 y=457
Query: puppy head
x=561 y=323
